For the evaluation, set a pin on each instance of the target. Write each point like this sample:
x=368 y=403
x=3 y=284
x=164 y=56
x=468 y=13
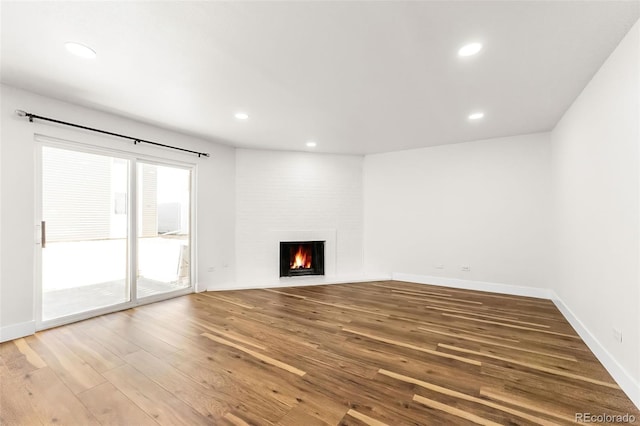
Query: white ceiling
x=356 y=77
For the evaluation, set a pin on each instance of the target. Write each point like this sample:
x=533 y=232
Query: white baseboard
x=627 y=383
x=15 y=331
x=301 y=282
x=540 y=293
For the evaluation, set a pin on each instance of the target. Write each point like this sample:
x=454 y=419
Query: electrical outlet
x=439 y=266
x=617 y=335
x=465 y=268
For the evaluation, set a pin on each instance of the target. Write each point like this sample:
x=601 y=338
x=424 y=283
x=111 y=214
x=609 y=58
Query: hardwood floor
x=375 y=353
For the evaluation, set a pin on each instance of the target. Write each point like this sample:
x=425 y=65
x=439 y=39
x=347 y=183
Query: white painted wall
x=596 y=181
x=295 y=193
x=485 y=204
x=215 y=193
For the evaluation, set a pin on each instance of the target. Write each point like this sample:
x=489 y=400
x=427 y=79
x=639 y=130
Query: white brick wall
x=295 y=193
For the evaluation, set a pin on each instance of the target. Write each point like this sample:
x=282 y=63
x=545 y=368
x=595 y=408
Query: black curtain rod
x=136 y=141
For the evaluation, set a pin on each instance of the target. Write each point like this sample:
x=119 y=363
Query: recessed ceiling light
x=476 y=116
x=242 y=116
x=80 y=50
x=470 y=49
x=311 y=144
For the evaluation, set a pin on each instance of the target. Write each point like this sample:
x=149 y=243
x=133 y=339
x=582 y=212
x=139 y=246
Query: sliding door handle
x=43 y=234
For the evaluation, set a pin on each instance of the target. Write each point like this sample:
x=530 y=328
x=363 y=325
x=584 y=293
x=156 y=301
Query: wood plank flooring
x=378 y=353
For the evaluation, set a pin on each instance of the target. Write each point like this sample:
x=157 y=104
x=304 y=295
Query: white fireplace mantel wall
x=297 y=196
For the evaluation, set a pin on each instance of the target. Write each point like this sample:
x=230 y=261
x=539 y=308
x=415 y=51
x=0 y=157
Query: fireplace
x=301 y=258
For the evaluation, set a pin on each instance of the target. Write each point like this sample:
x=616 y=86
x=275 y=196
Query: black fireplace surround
x=299 y=258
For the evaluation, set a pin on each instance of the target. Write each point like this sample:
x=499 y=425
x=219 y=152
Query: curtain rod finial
x=21 y=113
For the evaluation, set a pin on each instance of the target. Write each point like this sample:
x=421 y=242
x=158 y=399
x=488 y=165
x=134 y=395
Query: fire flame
x=302 y=258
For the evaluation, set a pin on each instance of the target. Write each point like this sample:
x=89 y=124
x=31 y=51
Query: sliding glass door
x=92 y=206
x=84 y=232
x=163 y=223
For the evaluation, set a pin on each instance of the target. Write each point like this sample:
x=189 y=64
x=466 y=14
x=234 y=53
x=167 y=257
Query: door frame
x=42 y=141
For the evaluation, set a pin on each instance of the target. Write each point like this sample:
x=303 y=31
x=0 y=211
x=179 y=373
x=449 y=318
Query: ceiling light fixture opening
x=311 y=144
x=242 y=116
x=470 y=49
x=80 y=50
x=476 y=116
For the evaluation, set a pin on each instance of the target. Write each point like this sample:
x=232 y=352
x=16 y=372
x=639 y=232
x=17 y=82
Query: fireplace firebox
x=301 y=258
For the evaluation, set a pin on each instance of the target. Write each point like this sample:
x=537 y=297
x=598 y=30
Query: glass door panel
x=163 y=228
x=84 y=250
